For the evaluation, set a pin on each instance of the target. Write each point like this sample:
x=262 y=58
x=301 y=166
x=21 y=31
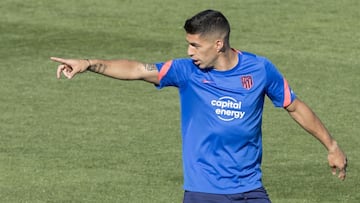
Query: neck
x=227 y=60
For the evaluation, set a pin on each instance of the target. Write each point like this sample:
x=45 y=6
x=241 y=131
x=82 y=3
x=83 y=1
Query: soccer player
x=222 y=93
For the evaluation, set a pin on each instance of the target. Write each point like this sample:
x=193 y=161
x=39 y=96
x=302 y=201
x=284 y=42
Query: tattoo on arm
x=98 y=68
x=150 y=67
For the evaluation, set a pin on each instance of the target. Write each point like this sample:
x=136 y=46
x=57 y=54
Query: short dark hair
x=208 y=22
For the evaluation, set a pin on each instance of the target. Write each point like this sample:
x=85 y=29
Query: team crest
x=247 y=81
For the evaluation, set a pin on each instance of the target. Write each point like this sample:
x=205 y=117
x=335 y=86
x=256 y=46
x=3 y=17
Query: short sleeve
x=173 y=72
x=277 y=87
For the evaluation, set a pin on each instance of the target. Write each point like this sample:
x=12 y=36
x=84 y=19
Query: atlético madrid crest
x=247 y=81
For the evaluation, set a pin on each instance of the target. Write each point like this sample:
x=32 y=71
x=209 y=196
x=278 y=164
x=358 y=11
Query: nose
x=190 y=51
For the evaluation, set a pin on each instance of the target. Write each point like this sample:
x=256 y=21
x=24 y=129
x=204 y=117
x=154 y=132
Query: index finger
x=342 y=174
x=60 y=60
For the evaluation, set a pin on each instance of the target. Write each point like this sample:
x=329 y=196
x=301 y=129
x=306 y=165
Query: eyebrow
x=193 y=43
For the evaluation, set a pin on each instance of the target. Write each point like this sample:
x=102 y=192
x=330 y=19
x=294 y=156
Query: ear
x=219 y=45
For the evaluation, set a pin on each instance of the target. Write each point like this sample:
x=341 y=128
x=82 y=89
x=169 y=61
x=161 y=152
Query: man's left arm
x=308 y=120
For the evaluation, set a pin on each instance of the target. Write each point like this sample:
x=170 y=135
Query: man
x=222 y=93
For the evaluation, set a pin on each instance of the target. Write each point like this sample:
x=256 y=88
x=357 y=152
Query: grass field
x=95 y=139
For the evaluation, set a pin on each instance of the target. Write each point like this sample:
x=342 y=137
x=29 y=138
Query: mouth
x=196 y=62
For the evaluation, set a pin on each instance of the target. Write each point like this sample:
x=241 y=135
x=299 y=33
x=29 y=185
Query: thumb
x=333 y=170
x=71 y=74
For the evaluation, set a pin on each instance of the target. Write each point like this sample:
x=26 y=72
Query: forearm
x=120 y=69
x=308 y=120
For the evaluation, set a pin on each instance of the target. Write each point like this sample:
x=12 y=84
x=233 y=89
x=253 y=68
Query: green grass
x=95 y=139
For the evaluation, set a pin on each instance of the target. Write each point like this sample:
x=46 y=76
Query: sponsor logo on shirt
x=227 y=108
x=205 y=81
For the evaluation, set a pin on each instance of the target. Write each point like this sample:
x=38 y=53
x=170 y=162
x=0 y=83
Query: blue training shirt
x=221 y=115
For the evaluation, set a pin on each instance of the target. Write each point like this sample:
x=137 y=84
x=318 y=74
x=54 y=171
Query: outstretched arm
x=307 y=119
x=119 y=69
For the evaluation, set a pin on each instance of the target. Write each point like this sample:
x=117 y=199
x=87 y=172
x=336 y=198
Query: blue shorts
x=255 y=196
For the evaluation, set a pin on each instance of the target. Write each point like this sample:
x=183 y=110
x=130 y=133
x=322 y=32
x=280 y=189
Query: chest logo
x=247 y=81
x=227 y=108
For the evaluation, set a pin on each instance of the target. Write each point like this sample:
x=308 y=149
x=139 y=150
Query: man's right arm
x=119 y=69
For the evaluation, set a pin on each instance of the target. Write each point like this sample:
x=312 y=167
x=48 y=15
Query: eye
x=194 y=45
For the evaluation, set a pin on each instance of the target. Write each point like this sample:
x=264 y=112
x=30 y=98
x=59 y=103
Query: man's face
x=202 y=50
